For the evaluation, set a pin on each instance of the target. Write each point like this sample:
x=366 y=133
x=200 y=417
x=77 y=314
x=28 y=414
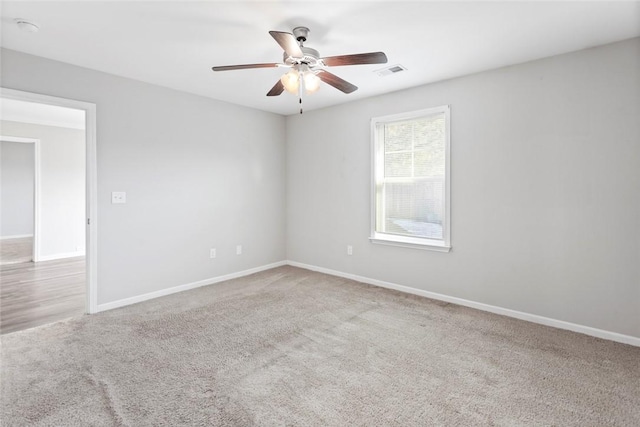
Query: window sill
x=409 y=242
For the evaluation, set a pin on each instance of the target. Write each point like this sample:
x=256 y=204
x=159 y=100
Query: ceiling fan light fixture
x=291 y=81
x=307 y=67
x=311 y=82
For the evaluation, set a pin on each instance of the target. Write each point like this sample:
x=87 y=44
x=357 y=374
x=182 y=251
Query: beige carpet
x=293 y=347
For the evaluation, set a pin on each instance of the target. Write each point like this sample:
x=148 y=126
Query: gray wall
x=198 y=174
x=16 y=206
x=62 y=187
x=545 y=185
x=545 y=189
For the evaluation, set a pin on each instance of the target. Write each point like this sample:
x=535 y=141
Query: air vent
x=392 y=69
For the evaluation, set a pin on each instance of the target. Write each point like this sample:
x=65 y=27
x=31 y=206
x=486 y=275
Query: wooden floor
x=13 y=251
x=34 y=294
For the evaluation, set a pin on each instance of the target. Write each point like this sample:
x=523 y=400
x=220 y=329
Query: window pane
x=430 y=132
x=429 y=163
x=397 y=136
x=414 y=208
x=397 y=165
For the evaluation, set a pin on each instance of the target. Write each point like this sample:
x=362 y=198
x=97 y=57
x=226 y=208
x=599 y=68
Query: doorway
x=19 y=166
x=59 y=279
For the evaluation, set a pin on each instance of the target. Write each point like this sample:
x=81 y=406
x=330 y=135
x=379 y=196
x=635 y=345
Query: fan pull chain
x=300 y=93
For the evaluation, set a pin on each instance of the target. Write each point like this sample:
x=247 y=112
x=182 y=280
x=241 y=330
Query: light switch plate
x=118 y=197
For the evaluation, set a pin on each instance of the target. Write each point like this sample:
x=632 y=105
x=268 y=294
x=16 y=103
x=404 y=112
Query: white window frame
x=377 y=166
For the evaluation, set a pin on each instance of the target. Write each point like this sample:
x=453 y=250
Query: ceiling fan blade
x=356 y=59
x=277 y=89
x=337 y=82
x=244 y=67
x=288 y=42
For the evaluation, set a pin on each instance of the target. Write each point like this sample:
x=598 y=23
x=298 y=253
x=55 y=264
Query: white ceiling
x=174 y=44
x=41 y=114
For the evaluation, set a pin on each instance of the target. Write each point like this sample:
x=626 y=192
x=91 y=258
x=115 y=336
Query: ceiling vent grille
x=392 y=69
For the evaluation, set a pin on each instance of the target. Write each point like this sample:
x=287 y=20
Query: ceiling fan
x=307 y=67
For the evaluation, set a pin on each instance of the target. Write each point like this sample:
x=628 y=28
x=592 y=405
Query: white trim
x=164 y=292
x=377 y=164
x=91 y=180
x=41 y=114
x=37 y=203
x=534 y=318
x=16 y=236
x=54 y=123
x=92 y=206
x=409 y=242
x=60 y=256
x=8 y=138
x=37 y=190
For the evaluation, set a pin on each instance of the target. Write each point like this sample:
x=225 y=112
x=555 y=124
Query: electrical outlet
x=349 y=250
x=239 y=250
x=212 y=253
x=118 y=197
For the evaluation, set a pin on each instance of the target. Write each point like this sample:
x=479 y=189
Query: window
x=410 y=200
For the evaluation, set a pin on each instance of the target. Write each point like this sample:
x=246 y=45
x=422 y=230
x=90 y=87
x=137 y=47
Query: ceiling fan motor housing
x=311 y=57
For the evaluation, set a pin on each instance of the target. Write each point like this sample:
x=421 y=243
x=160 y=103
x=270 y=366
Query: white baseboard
x=60 y=256
x=560 y=324
x=16 y=236
x=186 y=287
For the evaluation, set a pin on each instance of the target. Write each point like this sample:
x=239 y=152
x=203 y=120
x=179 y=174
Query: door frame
x=91 y=182
x=36 y=188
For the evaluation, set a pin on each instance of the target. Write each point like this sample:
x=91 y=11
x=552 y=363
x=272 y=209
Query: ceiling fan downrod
x=301 y=33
